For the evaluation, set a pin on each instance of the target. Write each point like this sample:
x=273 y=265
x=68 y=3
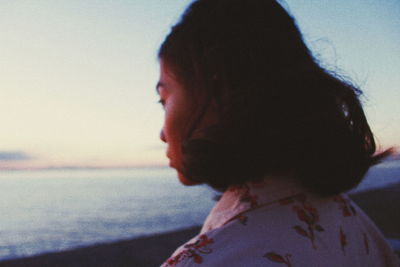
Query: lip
x=170 y=161
x=171 y=164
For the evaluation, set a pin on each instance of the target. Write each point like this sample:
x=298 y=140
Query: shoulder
x=296 y=231
x=258 y=237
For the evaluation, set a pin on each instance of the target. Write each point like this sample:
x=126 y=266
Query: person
x=250 y=112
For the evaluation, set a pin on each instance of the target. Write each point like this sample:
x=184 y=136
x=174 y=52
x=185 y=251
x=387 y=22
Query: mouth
x=170 y=161
x=171 y=164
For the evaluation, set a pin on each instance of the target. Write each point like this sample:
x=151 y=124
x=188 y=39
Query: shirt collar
x=252 y=195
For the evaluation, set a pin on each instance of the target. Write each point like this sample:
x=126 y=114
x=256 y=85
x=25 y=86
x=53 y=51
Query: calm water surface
x=53 y=210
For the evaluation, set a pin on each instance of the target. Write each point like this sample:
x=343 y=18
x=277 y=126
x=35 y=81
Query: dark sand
x=146 y=251
x=382 y=205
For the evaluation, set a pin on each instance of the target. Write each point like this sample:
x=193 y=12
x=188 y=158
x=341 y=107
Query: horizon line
x=72 y=167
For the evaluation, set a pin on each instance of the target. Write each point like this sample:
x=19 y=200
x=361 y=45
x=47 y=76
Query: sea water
x=55 y=210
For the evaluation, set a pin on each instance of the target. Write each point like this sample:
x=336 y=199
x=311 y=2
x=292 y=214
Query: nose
x=162 y=136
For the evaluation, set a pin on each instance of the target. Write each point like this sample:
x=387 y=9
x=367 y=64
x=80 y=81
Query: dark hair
x=279 y=110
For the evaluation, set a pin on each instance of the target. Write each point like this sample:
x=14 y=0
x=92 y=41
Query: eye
x=161 y=101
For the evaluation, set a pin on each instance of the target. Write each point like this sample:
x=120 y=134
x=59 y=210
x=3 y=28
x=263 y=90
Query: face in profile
x=178 y=108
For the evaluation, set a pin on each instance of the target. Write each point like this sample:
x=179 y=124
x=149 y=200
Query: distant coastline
x=68 y=167
x=395 y=158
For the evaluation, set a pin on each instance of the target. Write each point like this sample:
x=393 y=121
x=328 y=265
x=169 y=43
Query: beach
x=382 y=205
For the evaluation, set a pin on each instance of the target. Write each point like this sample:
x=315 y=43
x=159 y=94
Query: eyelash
x=161 y=101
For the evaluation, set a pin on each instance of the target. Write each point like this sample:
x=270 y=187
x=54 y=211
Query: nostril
x=162 y=136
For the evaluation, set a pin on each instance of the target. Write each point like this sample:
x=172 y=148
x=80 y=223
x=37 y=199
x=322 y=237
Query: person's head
x=253 y=101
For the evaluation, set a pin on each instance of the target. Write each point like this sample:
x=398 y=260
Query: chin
x=186 y=181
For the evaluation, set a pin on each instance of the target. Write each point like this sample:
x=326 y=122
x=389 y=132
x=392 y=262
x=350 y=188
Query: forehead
x=167 y=80
x=166 y=72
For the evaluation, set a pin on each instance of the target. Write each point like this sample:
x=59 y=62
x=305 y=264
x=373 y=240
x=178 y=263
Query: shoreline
x=145 y=251
x=380 y=204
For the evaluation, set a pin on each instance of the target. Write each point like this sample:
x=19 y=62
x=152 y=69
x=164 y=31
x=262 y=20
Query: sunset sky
x=77 y=78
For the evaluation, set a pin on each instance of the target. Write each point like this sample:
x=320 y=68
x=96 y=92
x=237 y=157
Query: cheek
x=175 y=126
x=173 y=137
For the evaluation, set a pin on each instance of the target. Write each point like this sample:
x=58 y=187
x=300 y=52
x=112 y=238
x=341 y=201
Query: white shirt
x=278 y=223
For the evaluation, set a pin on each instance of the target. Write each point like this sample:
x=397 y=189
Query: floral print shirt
x=278 y=223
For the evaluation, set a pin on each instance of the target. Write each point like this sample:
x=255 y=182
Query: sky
x=77 y=78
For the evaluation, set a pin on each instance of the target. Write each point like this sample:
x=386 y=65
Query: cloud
x=13 y=156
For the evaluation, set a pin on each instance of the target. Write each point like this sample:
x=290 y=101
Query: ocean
x=54 y=210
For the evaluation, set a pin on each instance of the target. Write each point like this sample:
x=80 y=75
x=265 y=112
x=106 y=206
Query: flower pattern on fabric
x=242 y=219
x=286 y=201
x=274 y=257
x=235 y=188
x=273 y=224
x=248 y=197
x=345 y=206
x=245 y=195
x=192 y=250
x=343 y=240
x=309 y=215
x=366 y=243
